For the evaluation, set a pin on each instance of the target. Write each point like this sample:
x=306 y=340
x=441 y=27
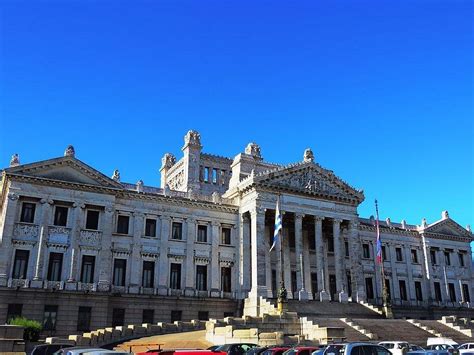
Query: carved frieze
x=25 y=231
x=87 y=287
x=54 y=285
x=90 y=238
x=22 y=283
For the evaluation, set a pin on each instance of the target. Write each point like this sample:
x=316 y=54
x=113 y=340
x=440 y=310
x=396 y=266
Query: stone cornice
x=216 y=158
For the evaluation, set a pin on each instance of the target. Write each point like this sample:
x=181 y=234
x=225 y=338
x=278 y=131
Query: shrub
x=32 y=328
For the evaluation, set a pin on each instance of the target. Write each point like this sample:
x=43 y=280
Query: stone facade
x=204 y=237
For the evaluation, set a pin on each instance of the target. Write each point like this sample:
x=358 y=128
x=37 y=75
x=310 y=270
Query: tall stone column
x=307 y=266
x=410 y=283
x=136 y=262
x=287 y=260
x=215 y=267
x=9 y=213
x=318 y=232
x=395 y=290
x=163 y=262
x=302 y=295
x=105 y=255
x=190 y=287
x=244 y=251
x=78 y=218
x=338 y=258
x=46 y=210
x=355 y=255
x=427 y=268
x=268 y=263
x=259 y=287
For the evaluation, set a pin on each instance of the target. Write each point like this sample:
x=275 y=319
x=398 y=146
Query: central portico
x=319 y=233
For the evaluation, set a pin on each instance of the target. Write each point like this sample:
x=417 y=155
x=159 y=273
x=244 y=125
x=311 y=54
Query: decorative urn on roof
x=69 y=152
x=308 y=155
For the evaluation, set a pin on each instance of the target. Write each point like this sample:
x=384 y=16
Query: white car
x=466 y=348
x=396 y=347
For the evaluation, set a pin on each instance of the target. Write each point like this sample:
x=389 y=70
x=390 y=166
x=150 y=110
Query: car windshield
x=223 y=347
x=388 y=345
x=335 y=350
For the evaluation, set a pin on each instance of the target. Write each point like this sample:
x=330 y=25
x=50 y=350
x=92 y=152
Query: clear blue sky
x=382 y=91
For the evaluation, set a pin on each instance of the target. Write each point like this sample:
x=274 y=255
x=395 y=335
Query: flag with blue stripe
x=278 y=225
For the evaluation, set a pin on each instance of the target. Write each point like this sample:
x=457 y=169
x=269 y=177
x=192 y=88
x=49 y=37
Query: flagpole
x=385 y=300
x=282 y=293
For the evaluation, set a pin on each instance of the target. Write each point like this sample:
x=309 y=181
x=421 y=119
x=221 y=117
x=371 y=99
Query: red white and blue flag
x=378 y=242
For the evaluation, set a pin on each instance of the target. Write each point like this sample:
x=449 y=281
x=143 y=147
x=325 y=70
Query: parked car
x=466 y=348
x=106 y=352
x=235 y=349
x=256 y=351
x=275 y=350
x=183 y=352
x=356 y=348
x=320 y=351
x=413 y=347
x=450 y=349
x=396 y=347
x=436 y=341
x=301 y=350
x=48 y=349
x=79 y=350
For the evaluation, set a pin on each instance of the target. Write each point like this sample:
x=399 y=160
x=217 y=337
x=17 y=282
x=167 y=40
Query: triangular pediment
x=67 y=169
x=447 y=227
x=310 y=178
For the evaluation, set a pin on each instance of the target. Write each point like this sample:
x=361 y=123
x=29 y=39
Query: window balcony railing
x=18 y=283
x=90 y=237
x=59 y=235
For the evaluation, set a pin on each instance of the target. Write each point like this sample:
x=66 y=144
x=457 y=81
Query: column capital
x=354 y=224
x=318 y=218
x=215 y=224
x=165 y=218
x=191 y=220
x=337 y=221
x=258 y=210
x=299 y=216
x=244 y=217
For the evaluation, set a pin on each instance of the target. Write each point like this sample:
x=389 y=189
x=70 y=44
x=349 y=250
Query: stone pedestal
x=36 y=284
x=103 y=286
x=343 y=298
x=134 y=290
x=70 y=286
x=303 y=295
x=215 y=293
x=162 y=291
x=324 y=296
x=189 y=292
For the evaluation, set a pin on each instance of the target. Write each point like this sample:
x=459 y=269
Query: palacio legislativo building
x=85 y=250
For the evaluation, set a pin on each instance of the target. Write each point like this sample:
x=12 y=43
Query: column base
x=70 y=285
x=36 y=284
x=324 y=296
x=343 y=298
x=303 y=295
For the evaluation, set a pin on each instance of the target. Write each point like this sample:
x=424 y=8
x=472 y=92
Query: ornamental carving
x=87 y=287
x=54 y=285
x=177 y=181
x=90 y=238
x=253 y=149
x=15 y=160
x=21 y=283
x=308 y=180
x=192 y=138
x=59 y=236
x=69 y=152
x=116 y=175
x=168 y=161
x=26 y=231
x=139 y=186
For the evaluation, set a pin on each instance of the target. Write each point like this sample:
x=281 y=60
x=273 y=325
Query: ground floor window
x=465 y=293
x=203 y=315
x=226 y=278
x=437 y=290
x=403 y=290
x=49 y=317
x=14 y=310
x=118 y=317
x=175 y=276
x=84 y=319
x=20 y=265
x=452 y=292
x=201 y=277
x=418 y=291
x=369 y=288
x=176 y=316
x=148 y=316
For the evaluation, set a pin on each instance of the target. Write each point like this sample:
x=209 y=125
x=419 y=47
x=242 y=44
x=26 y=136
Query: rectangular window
x=414 y=256
x=398 y=253
x=346 y=248
x=349 y=284
x=465 y=293
x=418 y=291
x=311 y=239
x=452 y=292
x=148 y=316
x=202 y=234
x=92 y=220
x=274 y=282
x=150 y=227
x=203 y=315
x=148 y=276
x=228 y=314
x=201 y=277
x=28 y=212
x=369 y=288
x=330 y=245
x=55 y=266
x=437 y=289
x=226 y=279
x=433 y=257
x=60 y=216
x=122 y=224
x=20 y=265
x=14 y=311
x=49 y=317
x=177 y=231
x=403 y=290
x=175 y=276
x=222 y=177
x=461 y=259
x=214 y=176
x=384 y=253
x=120 y=270
x=293 y=282
x=176 y=316
x=365 y=251
x=447 y=258
x=291 y=237
x=118 y=317
x=84 y=319
x=206 y=174
x=225 y=239
x=87 y=269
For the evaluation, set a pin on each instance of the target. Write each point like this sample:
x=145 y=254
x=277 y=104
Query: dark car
x=356 y=348
x=275 y=350
x=48 y=349
x=236 y=349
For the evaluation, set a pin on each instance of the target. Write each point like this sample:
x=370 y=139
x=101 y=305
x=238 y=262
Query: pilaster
x=46 y=210
x=10 y=209
x=318 y=232
x=215 y=268
x=339 y=262
x=257 y=220
x=163 y=262
x=105 y=255
x=136 y=263
x=302 y=294
x=244 y=247
x=190 y=268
